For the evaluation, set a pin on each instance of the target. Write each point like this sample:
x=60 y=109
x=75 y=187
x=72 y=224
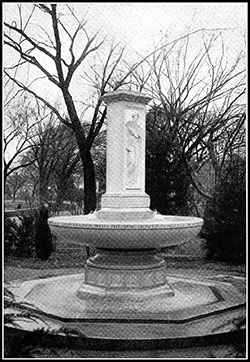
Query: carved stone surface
x=68 y=297
x=125 y=279
x=155 y=232
x=133 y=146
x=120 y=201
x=170 y=223
x=125 y=214
x=126 y=96
x=126 y=270
x=125 y=165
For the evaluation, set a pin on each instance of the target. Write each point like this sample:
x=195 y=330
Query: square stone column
x=125 y=195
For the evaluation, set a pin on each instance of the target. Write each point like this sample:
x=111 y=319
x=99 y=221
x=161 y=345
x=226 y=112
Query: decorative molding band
x=123 y=95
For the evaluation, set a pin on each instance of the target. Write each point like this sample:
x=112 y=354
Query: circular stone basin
x=157 y=232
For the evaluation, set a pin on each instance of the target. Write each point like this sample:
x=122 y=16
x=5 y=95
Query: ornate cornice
x=123 y=95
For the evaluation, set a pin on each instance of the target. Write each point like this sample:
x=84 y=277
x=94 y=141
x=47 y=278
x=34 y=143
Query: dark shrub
x=25 y=245
x=167 y=179
x=10 y=234
x=225 y=216
x=42 y=235
x=18 y=235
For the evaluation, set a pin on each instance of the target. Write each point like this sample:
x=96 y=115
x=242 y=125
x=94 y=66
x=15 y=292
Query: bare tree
x=68 y=159
x=35 y=51
x=53 y=156
x=200 y=99
x=19 y=130
x=16 y=181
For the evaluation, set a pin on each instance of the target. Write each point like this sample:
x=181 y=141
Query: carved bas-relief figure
x=133 y=148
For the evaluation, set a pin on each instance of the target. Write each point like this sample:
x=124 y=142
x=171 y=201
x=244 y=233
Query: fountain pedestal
x=122 y=272
x=125 y=196
x=123 y=269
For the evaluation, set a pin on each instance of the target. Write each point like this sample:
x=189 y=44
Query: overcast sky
x=141 y=25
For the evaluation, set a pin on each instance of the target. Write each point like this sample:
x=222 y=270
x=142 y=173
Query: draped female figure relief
x=133 y=146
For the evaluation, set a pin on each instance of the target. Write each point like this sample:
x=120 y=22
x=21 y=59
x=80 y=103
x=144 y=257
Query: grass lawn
x=66 y=259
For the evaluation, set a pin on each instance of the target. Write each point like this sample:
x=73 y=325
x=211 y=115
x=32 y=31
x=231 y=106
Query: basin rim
x=92 y=222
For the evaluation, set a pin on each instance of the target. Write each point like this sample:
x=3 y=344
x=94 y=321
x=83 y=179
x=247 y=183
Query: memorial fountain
x=125 y=292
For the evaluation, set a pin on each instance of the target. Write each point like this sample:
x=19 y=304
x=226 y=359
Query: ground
x=71 y=260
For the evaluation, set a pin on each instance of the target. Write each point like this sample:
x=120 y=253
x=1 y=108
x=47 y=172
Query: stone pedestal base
x=110 y=299
x=125 y=207
x=125 y=200
x=129 y=274
x=128 y=214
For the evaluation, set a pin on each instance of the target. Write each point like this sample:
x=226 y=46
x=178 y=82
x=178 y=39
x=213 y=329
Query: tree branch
x=63 y=120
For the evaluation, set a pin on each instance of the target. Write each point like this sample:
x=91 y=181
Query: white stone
x=125 y=222
x=125 y=178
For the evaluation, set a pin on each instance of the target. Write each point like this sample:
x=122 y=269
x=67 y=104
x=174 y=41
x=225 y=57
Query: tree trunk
x=89 y=184
x=85 y=154
x=5 y=178
x=42 y=192
x=59 y=199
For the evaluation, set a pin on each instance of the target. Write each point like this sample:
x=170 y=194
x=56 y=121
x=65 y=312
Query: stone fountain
x=125 y=292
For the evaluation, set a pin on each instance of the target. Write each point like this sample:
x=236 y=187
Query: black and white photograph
x=124 y=180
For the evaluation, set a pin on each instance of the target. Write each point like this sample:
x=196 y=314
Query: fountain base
x=126 y=270
x=198 y=308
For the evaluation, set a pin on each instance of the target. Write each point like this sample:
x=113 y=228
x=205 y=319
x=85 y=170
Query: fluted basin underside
x=157 y=232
